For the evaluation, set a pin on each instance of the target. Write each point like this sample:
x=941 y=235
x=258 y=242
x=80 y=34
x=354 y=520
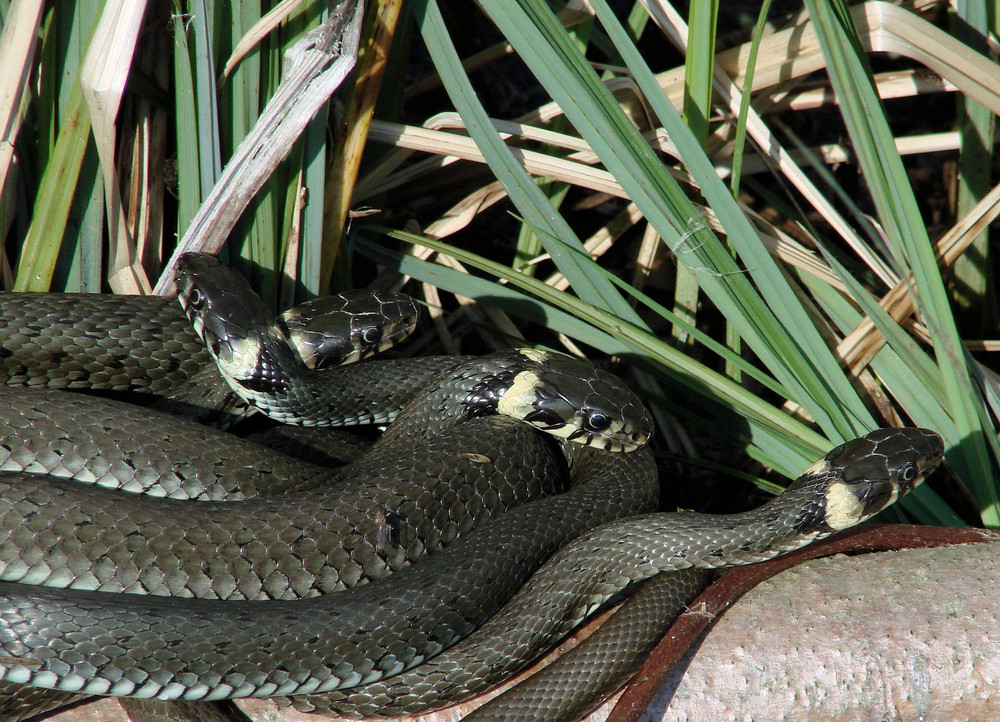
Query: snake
x=114 y=644
x=144 y=346
x=420 y=484
x=849 y=485
x=390 y=626
x=143 y=349
x=489 y=389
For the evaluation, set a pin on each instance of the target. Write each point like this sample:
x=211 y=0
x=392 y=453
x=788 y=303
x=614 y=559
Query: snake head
x=351 y=326
x=217 y=300
x=571 y=399
x=261 y=357
x=870 y=473
x=233 y=322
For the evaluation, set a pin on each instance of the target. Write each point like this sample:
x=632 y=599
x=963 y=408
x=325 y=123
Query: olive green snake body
x=113 y=644
x=593 y=568
x=142 y=348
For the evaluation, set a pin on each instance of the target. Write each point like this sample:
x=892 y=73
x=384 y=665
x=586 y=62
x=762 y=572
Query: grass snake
x=79 y=639
x=143 y=349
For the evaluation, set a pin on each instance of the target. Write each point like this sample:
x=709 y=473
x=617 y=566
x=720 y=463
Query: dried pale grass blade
x=599 y=243
x=646 y=257
x=433 y=297
x=448 y=147
x=451 y=144
x=860 y=346
x=794 y=53
x=882 y=27
x=315 y=66
x=145 y=187
x=511 y=129
x=833 y=154
x=464 y=212
x=372 y=182
x=17 y=47
x=103 y=75
x=342 y=174
x=463 y=147
x=293 y=246
x=892 y=29
x=812 y=95
x=498 y=319
x=382 y=177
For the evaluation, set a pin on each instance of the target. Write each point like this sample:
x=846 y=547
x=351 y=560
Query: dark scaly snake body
x=606 y=660
x=97 y=441
x=442 y=414
x=180 y=567
x=142 y=344
x=850 y=484
x=111 y=644
x=146 y=343
x=61 y=533
x=429 y=478
x=325 y=642
x=143 y=348
x=382 y=654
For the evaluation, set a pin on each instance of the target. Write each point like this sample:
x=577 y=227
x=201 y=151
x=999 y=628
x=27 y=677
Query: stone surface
x=906 y=635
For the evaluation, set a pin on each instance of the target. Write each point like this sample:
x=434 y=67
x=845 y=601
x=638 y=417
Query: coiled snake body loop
x=365 y=644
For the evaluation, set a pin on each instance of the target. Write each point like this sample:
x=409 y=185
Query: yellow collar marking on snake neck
x=844 y=509
x=841 y=507
x=518 y=400
x=533 y=354
x=818 y=467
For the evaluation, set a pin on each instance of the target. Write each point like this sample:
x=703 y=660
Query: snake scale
x=78 y=639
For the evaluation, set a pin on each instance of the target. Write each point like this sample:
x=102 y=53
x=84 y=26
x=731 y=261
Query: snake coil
x=394 y=645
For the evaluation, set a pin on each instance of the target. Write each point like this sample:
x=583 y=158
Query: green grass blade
x=792 y=348
x=520 y=186
x=907 y=238
x=682 y=367
x=739 y=140
x=698 y=64
x=41 y=246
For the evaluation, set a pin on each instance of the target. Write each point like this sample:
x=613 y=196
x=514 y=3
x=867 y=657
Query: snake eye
x=196 y=299
x=371 y=335
x=908 y=473
x=596 y=421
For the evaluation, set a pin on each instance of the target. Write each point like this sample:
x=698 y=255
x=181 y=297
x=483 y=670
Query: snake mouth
x=622 y=442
